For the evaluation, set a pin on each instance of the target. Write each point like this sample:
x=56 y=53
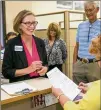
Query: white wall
x=41 y=7
x=38 y=7
x=12 y=9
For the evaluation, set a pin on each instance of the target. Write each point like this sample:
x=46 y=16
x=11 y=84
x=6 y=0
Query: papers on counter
x=18 y=88
x=59 y=80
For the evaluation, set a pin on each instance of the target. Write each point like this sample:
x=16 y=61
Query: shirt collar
x=93 y=22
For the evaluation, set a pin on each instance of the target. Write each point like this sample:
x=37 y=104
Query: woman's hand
x=42 y=70
x=83 y=87
x=61 y=97
x=36 y=65
x=56 y=91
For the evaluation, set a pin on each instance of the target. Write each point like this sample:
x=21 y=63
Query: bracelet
x=58 y=97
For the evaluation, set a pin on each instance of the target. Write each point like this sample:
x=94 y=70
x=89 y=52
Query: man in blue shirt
x=85 y=69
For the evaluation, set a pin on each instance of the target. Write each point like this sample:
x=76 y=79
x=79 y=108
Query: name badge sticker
x=18 y=48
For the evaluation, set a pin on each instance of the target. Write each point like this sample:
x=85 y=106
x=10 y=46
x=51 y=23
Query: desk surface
x=42 y=84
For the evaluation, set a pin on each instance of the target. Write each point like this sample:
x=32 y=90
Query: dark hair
x=10 y=34
x=18 y=19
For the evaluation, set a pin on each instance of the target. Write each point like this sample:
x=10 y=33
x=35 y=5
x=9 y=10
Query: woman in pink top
x=25 y=56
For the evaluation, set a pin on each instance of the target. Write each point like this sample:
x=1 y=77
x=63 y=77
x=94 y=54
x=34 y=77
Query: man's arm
x=75 y=54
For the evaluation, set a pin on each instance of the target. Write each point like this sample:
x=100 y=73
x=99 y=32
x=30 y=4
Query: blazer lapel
x=39 y=47
x=22 y=54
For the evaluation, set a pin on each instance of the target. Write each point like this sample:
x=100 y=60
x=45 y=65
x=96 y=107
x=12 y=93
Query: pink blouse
x=34 y=57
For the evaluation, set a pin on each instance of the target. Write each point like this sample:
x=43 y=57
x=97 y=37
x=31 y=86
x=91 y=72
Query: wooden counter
x=24 y=102
x=42 y=84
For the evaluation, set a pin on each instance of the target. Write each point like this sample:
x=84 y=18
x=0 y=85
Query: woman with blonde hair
x=55 y=47
x=91 y=99
x=25 y=56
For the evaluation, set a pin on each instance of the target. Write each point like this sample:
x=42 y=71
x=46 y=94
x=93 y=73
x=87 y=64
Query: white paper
x=12 y=88
x=50 y=99
x=59 y=80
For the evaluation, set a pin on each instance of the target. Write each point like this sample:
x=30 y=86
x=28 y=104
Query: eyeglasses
x=89 y=10
x=28 y=24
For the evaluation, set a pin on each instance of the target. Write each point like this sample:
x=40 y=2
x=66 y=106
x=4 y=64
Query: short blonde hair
x=18 y=20
x=55 y=27
x=95 y=47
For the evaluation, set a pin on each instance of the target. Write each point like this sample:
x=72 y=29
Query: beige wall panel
x=71 y=56
x=43 y=33
x=72 y=36
x=72 y=48
x=66 y=67
x=71 y=70
x=63 y=68
x=25 y=105
x=12 y=9
x=62 y=34
x=71 y=53
x=72 y=40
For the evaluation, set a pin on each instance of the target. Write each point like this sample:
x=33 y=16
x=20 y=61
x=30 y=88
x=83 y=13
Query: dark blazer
x=17 y=59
